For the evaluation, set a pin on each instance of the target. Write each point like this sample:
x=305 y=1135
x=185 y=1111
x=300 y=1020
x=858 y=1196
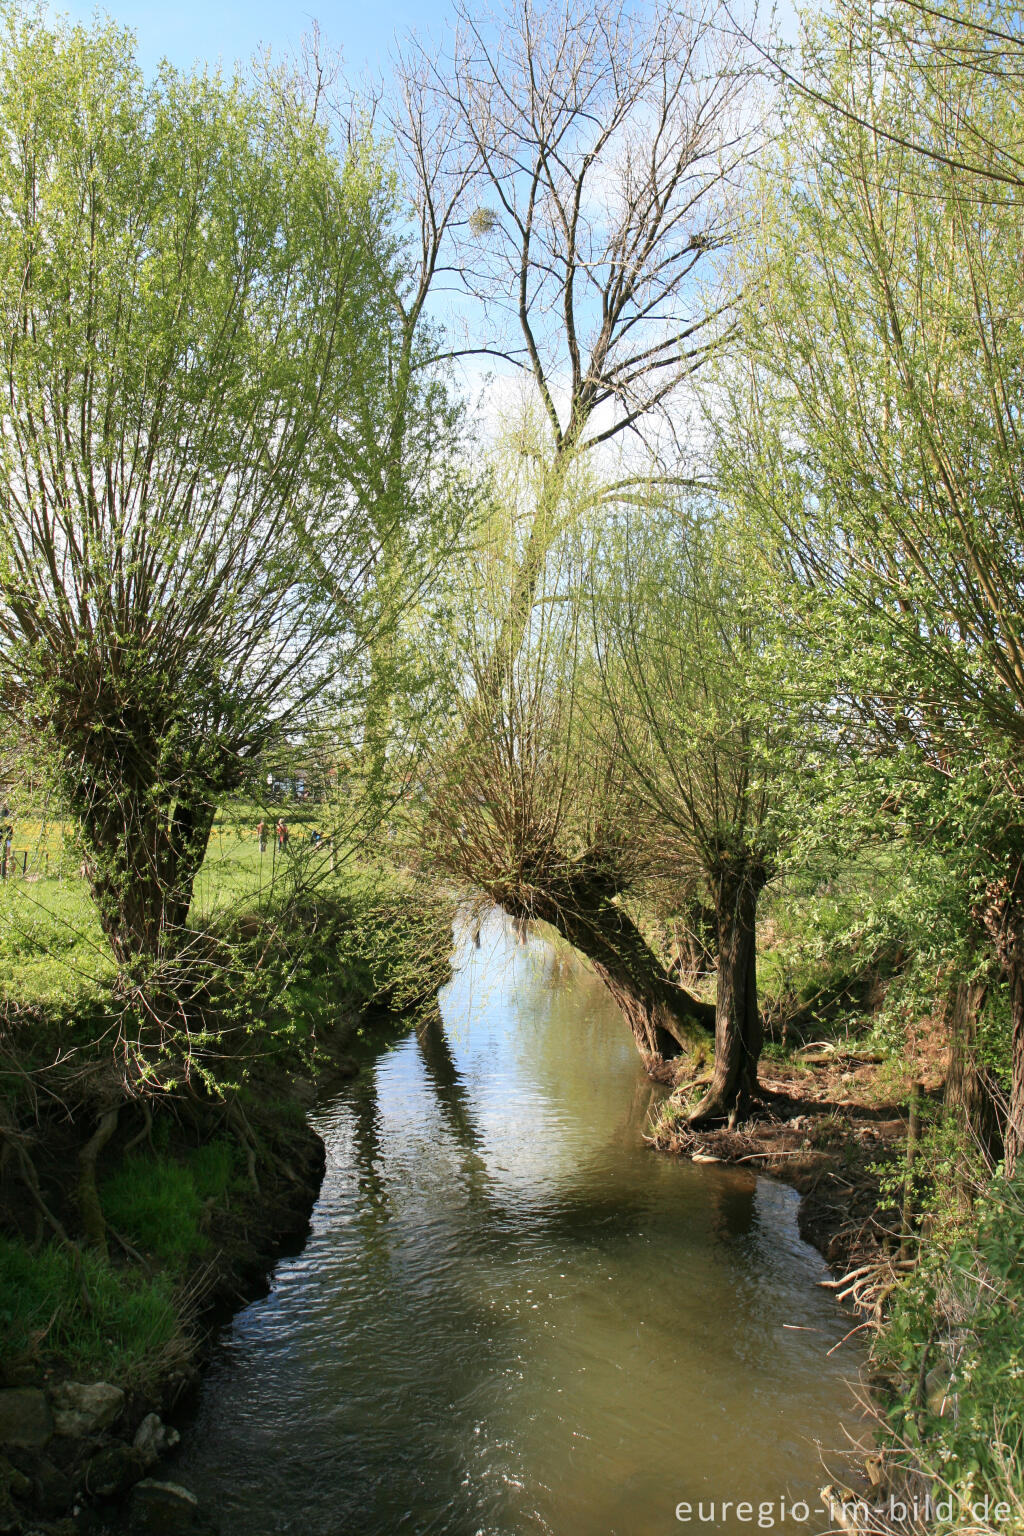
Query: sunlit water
x=512 y=1317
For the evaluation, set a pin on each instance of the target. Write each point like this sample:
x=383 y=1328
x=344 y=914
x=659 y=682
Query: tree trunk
x=142 y=860
x=544 y=528
x=693 y=940
x=186 y=841
x=377 y=719
x=664 y=1018
x=1003 y=917
x=971 y=1093
x=1014 y=1139
x=738 y=1030
x=90 y=1210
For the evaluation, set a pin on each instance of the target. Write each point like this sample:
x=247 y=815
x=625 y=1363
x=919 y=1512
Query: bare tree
x=593 y=156
x=606 y=148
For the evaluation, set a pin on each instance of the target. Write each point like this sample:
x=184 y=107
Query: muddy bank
x=81 y=1450
x=826 y=1127
x=83 y=1454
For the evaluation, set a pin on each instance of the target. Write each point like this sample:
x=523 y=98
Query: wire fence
x=63 y=860
x=26 y=863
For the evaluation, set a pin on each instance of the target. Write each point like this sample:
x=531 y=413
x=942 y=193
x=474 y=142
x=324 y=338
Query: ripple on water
x=511 y=1317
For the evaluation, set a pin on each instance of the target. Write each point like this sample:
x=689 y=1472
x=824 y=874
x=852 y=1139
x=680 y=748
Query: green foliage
x=868 y=434
x=831 y=932
x=128 y=1330
x=380 y=940
x=198 y=298
x=159 y=1203
x=286 y=961
x=690 y=668
x=953 y=1351
x=879 y=419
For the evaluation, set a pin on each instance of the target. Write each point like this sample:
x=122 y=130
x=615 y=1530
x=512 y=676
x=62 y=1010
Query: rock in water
x=25 y=1417
x=154 y=1439
x=52 y=1487
x=111 y=1471
x=11 y=1482
x=163 y=1509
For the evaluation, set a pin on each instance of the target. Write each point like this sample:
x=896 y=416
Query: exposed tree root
x=243 y=1131
x=146 y=1134
x=867 y=1287
x=31 y=1178
x=90 y=1209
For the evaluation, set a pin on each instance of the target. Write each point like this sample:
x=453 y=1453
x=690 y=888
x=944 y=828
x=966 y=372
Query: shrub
x=953 y=1351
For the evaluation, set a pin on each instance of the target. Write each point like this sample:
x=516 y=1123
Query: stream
x=512 y=1317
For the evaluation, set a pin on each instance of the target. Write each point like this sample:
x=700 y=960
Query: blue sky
x=187 y=31
x=191 y=31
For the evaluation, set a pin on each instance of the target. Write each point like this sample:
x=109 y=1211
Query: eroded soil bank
x=149 y=1185
x=83 y=1454
x=827 y=1126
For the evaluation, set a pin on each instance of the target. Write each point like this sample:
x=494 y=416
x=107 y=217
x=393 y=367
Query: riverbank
x=828 y=1125
x=201 y=1180
x=83 y=1419
x=925 y=1254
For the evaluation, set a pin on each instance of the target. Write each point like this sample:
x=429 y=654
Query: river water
x=511 y=1317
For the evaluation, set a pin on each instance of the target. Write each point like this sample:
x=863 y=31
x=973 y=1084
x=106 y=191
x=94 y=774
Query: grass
x=284 y=947
x=98 y=1321
x=53 y=954
x=284 y=966
x=65 y=1307
x=160 y=1203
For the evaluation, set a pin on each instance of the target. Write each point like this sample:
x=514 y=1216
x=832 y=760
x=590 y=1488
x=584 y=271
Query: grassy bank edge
x=201 y=1189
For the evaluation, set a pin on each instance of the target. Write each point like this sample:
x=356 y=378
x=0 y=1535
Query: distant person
x=282 y=835
x=261 y=833
x=314 y=838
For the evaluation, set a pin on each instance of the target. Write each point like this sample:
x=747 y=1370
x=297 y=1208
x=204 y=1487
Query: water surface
x=514 y=1319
